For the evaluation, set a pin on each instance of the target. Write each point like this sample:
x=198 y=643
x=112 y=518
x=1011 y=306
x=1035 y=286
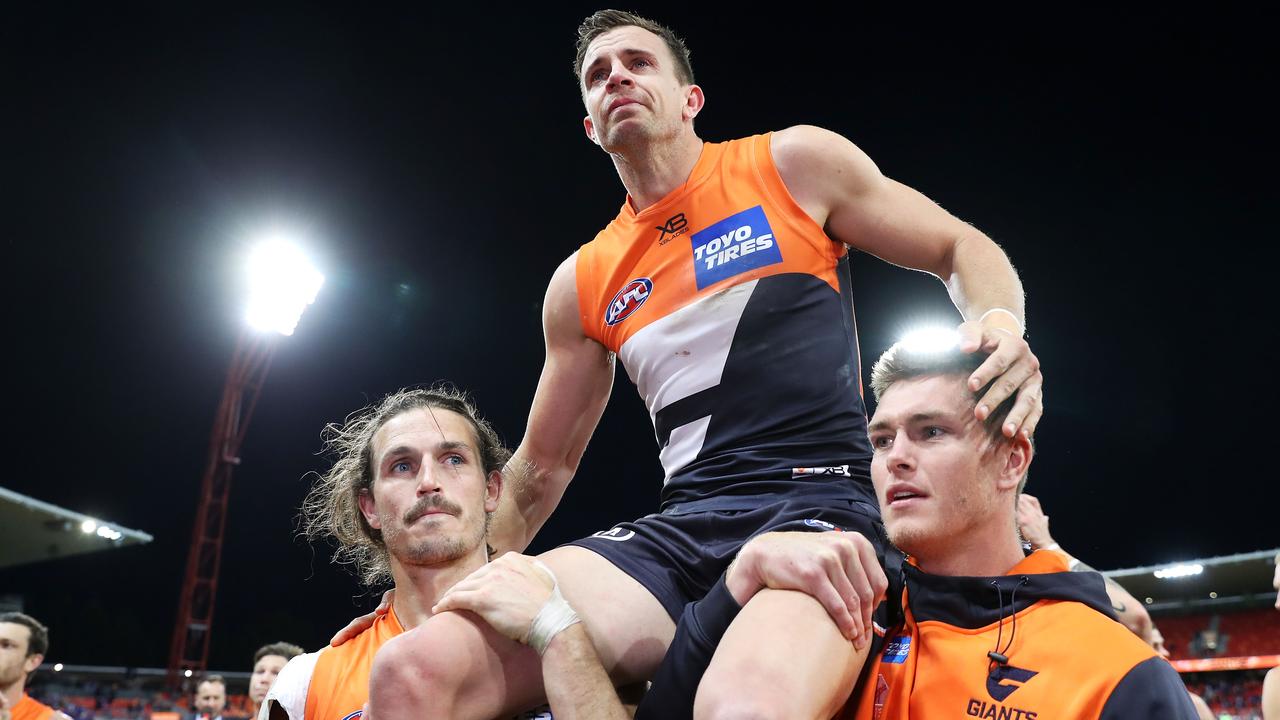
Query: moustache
x=429 y=503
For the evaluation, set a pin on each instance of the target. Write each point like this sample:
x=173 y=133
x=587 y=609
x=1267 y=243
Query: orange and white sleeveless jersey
x=333 y=683
x=731 y=311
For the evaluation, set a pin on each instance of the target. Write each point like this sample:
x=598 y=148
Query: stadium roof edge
x=33 y=530
x=1207 y=562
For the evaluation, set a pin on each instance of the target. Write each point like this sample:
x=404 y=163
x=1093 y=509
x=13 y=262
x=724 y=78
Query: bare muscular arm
x=572 y=392
x=844 y=192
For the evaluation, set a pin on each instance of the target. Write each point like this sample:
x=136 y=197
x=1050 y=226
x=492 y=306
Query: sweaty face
x=264 y=674
x=932 y=465
x=14 y=661
x=430 y=494
x=211 y=698
x=630 y=89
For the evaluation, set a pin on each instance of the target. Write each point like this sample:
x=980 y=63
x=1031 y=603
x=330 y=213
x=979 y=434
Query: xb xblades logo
x=675 y=227
x=995 y=681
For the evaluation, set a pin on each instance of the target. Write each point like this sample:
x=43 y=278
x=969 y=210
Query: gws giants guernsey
x=731 y=311
x=1039 y=643
x=333 y=683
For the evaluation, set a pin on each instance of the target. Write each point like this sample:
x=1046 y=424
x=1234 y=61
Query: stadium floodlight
x=107 y=533
x=930 y=340
x=282 y=283
x=88 y=527
x=1179 y=571
x=57 y=667
x=186 y=673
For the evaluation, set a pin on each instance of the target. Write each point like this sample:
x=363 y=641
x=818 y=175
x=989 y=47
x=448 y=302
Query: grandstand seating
x=1230 y=694
x=1248 y=632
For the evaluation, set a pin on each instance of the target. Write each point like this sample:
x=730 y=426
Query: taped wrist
x=552 y=619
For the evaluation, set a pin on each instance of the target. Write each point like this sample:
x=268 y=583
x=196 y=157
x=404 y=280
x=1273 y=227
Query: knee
x=406 y=678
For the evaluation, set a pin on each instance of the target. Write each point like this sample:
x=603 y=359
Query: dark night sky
x=439 y=166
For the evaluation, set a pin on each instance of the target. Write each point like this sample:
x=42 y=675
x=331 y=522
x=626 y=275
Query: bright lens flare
x=282 y=283
x=1178 y=571
x=930 y=340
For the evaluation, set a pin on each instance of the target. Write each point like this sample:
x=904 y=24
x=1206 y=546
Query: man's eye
x=881 y=442
x=596 y=76
x=640 y=62
x=455 y=460
x=933 y=431
x=402 y=466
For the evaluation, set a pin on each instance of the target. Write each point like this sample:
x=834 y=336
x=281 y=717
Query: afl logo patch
x=354 y=715
x=628 y=300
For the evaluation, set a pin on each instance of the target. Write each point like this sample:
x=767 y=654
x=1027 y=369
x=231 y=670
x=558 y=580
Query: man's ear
x=1017 y=453
x=365 y=499
x=492 y=491
x=31 y=663
x=590 y=128
x=694 y=101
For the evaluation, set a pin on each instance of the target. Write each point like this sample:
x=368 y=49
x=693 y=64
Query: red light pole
x=189 y=649
x=282 y=284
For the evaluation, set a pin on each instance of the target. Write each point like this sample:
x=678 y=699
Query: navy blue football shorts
x=678 y=556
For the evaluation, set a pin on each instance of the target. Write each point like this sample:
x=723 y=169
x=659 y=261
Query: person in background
x=23 y=644
x=211 y=698
x=267 y=663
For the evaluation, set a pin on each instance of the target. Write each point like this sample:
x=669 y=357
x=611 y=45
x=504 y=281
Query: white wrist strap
x=1021 y=330
x=554 y=616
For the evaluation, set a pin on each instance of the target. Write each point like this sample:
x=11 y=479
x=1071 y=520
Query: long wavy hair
x=332 y=508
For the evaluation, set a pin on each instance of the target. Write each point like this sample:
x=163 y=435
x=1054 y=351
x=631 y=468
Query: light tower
x=282 y=283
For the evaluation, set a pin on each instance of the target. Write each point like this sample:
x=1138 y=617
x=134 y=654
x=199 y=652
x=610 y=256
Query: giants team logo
x=354 y=715
x=736 y=244
x=1003 y=680
x=628 y=300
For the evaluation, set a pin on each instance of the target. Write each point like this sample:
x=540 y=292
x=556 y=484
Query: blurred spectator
x=267 y=663
x=23 y=643
x=211 y=698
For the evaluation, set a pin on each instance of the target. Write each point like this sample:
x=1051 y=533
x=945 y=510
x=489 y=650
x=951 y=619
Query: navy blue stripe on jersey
x=789 y=397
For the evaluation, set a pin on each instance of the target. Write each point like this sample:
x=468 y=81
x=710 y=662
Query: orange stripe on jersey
x=733 y=221
x=340 y=682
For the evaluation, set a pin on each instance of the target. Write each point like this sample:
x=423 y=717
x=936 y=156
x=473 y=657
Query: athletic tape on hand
x=554 y=616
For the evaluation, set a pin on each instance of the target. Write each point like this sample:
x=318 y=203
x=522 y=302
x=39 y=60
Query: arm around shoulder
x=573 y=390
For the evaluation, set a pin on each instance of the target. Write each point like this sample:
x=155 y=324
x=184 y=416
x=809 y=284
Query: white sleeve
x=290 y=688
